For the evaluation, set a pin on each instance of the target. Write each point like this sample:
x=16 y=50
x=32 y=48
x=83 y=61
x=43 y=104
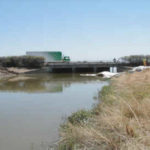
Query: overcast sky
x=82 y=29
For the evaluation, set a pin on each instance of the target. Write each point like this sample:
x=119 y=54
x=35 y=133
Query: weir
x=77 y=67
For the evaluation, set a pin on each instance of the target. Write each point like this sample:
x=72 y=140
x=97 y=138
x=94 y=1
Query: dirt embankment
x=4 y=73
x=10 y=72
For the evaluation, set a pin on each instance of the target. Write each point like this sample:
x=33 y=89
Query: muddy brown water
x=32 y=107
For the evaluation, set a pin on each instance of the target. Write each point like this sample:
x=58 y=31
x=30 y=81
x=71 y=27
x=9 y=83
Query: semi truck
x=50 y=56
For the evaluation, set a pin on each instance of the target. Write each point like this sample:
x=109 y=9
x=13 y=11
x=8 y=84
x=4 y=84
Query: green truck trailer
x=50 y=56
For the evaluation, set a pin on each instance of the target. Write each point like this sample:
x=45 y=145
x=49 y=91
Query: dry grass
x=122 y=119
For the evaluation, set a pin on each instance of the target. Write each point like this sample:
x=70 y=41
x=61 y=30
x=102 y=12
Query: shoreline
x=119 y=121
x=8 y=72
x=4 y=73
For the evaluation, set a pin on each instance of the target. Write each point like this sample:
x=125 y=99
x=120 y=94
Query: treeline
x=136 y=60
x=22 y=61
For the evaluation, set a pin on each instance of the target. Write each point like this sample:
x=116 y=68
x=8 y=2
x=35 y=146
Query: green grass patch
x=79 y=117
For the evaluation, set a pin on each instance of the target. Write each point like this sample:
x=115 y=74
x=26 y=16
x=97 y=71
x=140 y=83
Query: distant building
x=50 y=56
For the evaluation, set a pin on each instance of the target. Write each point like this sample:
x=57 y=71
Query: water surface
x=33 y=107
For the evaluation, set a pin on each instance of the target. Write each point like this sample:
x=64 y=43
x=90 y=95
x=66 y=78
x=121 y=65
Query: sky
x=82 y=29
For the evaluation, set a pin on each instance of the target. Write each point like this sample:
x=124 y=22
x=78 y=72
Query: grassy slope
x=120 y=122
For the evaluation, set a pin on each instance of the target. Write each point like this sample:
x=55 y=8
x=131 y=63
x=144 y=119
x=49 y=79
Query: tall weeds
x=121 y=121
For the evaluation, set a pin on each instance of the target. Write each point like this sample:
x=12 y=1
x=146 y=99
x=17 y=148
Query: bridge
x=74 y=67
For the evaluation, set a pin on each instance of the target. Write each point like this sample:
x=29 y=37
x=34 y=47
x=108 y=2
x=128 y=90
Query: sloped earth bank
x=4 y=73
x=12 y=72
x=121 y=121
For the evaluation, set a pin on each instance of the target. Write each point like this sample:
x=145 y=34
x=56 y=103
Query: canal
x=32 y=107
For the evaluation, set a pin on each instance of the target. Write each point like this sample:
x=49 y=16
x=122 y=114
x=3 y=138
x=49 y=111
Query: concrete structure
x=83 y=67
x=50 y=56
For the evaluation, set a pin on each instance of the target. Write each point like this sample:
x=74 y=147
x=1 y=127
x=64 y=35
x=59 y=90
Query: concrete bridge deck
x=82 y=66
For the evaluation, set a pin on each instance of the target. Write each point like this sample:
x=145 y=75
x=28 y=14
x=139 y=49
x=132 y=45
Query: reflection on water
x=44 y=83
x=32 y=107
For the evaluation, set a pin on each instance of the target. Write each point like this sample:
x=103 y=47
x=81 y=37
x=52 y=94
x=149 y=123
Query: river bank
x=7 y=72
x=120 y=121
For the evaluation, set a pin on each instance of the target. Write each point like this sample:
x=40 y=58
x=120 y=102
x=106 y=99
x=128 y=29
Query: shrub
x=22 y=61
x=79 y=117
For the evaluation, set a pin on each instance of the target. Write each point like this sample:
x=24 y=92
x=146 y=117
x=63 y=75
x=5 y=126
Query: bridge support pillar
x=73 y=69
x=50 y=70
x=95 y=69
